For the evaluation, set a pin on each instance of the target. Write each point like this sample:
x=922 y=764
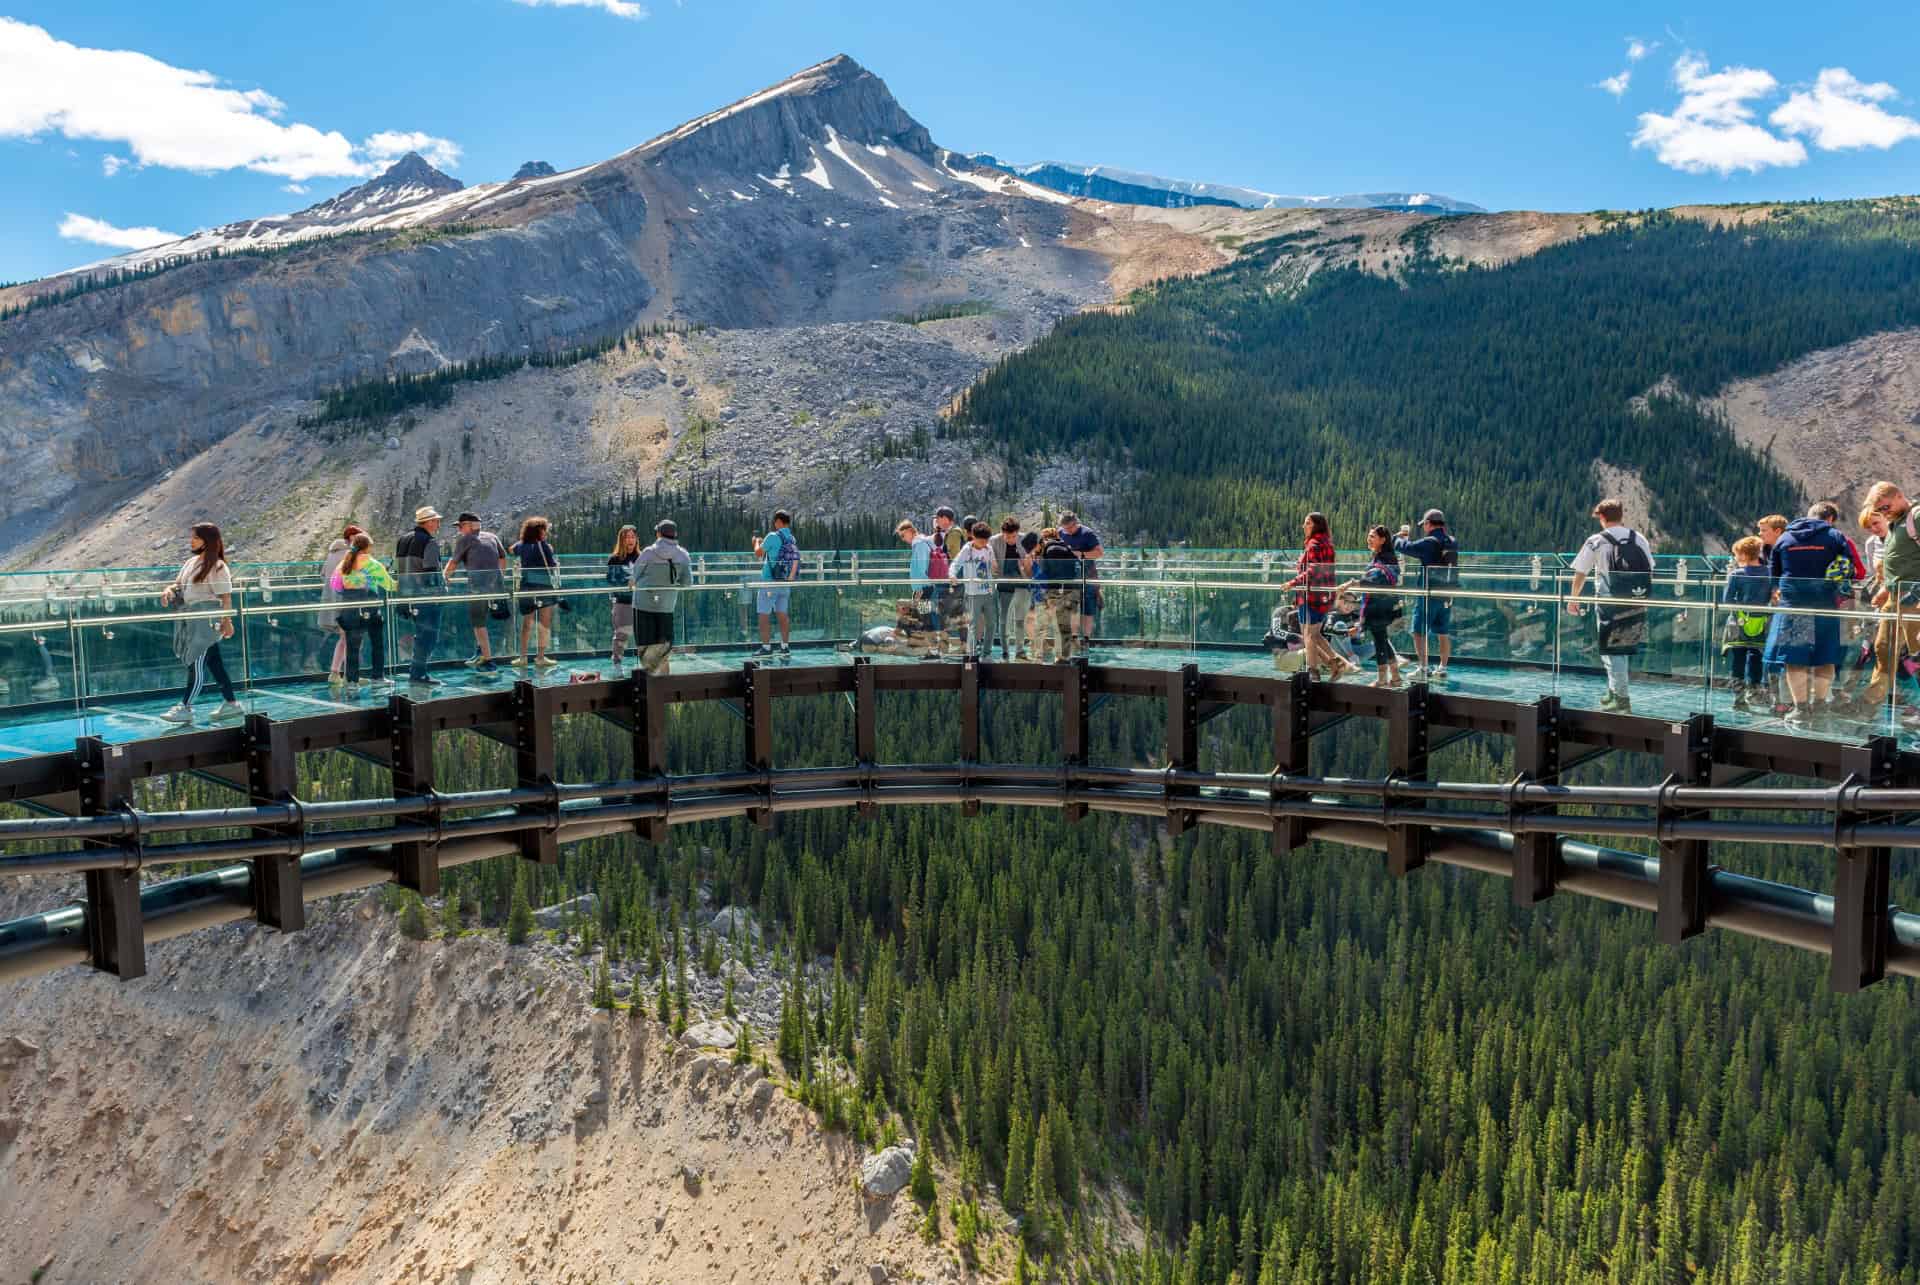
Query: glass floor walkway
x=48 y=729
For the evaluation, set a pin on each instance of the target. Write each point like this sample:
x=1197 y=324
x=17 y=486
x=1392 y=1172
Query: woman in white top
x=204 y=580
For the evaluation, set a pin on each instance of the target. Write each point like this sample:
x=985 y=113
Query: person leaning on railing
x=416 y=563
x=1900 y=592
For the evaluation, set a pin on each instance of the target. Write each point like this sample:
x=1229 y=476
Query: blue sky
x=1504 y=105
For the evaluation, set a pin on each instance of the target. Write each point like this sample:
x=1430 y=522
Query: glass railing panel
x=144 y=650
x=1153 y=618
x=287 y=632
x=1482 y=631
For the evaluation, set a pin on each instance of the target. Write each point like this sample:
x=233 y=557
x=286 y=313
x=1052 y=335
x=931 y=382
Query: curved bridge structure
x=1532 y=829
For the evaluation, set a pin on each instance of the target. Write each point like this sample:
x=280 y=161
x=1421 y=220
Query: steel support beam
x=1073 y=722
x=1685 y=873
x=1536 y=760
x=1407 y=761
x=647 y=700
x=1862 y=880
x=970 y=724
x=533 y=756
x=1292 y=750
x=410 y=743
x=1183 y=737
x=866 y=722
x=757 y=703
x=271 y=776
x=116 y=941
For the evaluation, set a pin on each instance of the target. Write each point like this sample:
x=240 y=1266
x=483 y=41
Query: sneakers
x=486 y=667
x=423 y=680
x=1615 y=703
x=476 y=660
x=519 y=662
x=230 y=709
x=1439 y=673
x=1798 y=717
x=786 y=652
x=1022 y=654
x=1417 y=674
x=178 y=714
x=336 y=680
x=764 y=649
x=545 y=662
x=44 y=686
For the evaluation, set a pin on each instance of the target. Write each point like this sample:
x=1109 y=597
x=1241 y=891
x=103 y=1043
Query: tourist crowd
x=1036 y=595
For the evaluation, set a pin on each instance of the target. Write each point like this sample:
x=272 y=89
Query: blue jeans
x=426 y=636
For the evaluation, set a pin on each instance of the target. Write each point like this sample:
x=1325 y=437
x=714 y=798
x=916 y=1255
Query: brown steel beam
x=410 y=747
x=116 y=941
x=272 y=772
x=1862 y=881
x=1685 y=872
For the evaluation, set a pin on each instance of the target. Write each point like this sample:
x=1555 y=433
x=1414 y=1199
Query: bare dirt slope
x=1839 y=419
x=344 y=1104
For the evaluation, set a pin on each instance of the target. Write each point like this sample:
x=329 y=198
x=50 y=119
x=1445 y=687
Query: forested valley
x=1237 y=403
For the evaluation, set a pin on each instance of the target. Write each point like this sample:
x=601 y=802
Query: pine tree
x=1013 y=1191
x=921 y=1182
x=451 y=920
x=413 y=916
x=520 y=917
x=602 y=985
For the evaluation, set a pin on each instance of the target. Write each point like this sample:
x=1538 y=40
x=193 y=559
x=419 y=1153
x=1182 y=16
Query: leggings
x=1743 y=666
x=1383 y=654
x=375 y=630
x=210 y=663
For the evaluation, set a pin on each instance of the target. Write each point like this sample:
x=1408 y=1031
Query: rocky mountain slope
x=345 y=1104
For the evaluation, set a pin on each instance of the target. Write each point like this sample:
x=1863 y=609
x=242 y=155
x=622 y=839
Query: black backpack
x=1629 y=569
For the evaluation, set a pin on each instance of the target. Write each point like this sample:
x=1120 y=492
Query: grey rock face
x=534 y=169
x=555 y=915
x=124 y=383
x=885 y=1172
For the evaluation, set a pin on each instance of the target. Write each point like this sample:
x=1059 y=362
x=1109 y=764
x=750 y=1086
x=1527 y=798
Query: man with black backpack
x=1621 y=563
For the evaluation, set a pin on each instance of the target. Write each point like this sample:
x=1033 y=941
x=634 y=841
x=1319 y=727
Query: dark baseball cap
x=467 y=517
x=1436 y=517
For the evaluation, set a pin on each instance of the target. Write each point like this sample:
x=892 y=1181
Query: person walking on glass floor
x=779 y=568
x=1439 y=557
x=204 y=582
x=1620 y=562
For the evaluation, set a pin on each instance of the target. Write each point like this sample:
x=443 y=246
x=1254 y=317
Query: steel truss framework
x=1519 y=828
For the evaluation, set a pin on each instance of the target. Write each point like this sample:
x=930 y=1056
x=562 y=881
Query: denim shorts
x=1432 y=616
x=774 y=598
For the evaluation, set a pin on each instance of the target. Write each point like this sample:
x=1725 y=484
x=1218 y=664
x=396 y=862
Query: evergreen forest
x=1236 y=403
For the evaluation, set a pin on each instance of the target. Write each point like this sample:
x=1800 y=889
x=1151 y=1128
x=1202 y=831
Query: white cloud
x=1840 y=113
x=1711 y=130
x=1638 y=48
x=111 y=164
x=1616 y=85
x=298 y=189
x=165 y=115
x=618 y=8
x=78 y=227
x=390 y=145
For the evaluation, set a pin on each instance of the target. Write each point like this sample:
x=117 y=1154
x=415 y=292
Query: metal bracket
x=533 y=753
x=646 y=699
x=1407 y=844
x=1073 y=725
x=1862 y=882
x=1685 y=875
x=1536 y=760
x=277 y=901
x=116 y=936
x=416 y=865
x=757 y=704
x=1183 y=740
x=1292 y=750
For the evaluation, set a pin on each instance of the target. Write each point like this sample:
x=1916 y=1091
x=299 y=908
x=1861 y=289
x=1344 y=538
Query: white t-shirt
x=974 y=565
x=1596 y=554
x=1872 y=549
x=199 y=593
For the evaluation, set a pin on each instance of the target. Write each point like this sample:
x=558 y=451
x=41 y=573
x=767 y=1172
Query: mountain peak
x=409 y=180
x=775 y=126
x=533 y=169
